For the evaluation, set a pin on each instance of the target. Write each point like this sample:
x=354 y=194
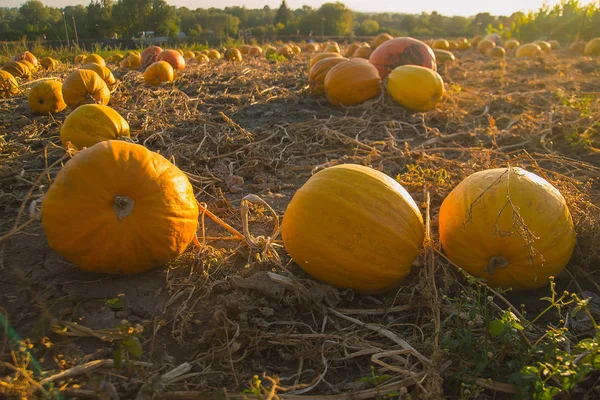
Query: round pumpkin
x=285 y=51
x=270 y=51
x=512 y=44
x=351 y=49
x=352 y=82
x=255 y=51
x=441 y=44
x=322 y=56
x=415 y=88
x=363 y=51
x=160 y=72
x=95 y=58
x=46 y=98
x=116 y=58
x=233 y=54
x=149 y=56
x=188 y=55
x=295 y=48
x=577 y=47
x=119 y=208
x=485 y=45
x=494 y=37
x=85 y=86
x=132 y=61
x=27 y=56
x=554 y=44
x=80 y=58
x=497 y=52
x=214 y=54
x=92 y=123
x=104 y=73
x=529 y=50
x=245 y=49
x=380 y=39
x=444 y=56
x=462 y=46
x=592 y=48
x=318 y=72
x=402 y=51
x=453 y=46
x=8 y=84
x=484 y=222
x=200 y=59
x=32 y=68
x=353 y=227
x=545 y=46
x=17 y=69
x=48 y=63
x=333 y=48
x=311 y=47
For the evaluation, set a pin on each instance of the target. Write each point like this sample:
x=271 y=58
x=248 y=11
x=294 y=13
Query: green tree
x=368 y=27
x=337 y=19
x=99 y=19
x=284 y=14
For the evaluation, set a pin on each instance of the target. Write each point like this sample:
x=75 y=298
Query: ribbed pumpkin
x=85 y=86
x=295 y=48
x=17 y=69
x=415 y=88
x=321 y=56
x=48 y=63
x=333 y=48
x=402 y=51
x=255 y=51
x=104 y=73
x=160 y=72
x=46 y=98
x=481 y=232
x=363 y=51
x=529 y=50
x=380 y=39
x=352 y=82
x=92 y=123
x=497 y=52
x=444 y=56
x=318 y=72
x=351 y=49
x=311 y=47
x=353 y=227
x=545 y=46
x=592 y=48
x=285 y=51
x=119 y=208
x=577 y=47
x=95 y=58
x=200 y=59
x=512 y=44
x=214 y=54
x=188 y=55
x=554 y=44
x=32 y=68
x=8 y=84
x=27 y=56
x=441 y=44
x=484 y=46
x=233 y=54
x=80 y=58
x=132 y=61
x=149 y=56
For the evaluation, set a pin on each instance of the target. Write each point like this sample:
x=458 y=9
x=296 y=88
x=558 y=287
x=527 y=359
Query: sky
x=445 y=7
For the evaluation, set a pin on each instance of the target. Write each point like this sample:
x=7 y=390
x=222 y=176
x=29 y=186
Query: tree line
x=103 y=19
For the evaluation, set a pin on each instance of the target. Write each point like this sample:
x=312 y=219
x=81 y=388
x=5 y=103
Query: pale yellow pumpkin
x=529 y=50
x=440 y=44
x=92 y=123
x=592 y=48
x=415 y=88
x=497 y=52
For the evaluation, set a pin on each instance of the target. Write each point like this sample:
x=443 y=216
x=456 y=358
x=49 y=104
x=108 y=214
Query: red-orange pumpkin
x=173 y=57
x=402 y=51
x=149 y=56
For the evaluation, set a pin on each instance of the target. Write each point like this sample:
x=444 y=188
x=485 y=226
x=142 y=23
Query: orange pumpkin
x=363 y=51
x=352 y=82
x=80 y=58
x=48 y=63
x=160 y=72
x=92 y=123
x=318 y=72
x=312 y=47
x=497 y=52
x=512 y=44
x=85 y=86
x=577 y=47
x=351 y=49
x=322 y=56
x=172 y=57
x=214 y=54
x=380 y=39
x=285 y=51
x=95 y=58
x=17 y=69
x=104 y=73
x=485 y=45
x=233 y=54
x=255 y=51
x=402 y=51
x=149 y=56
x=8 y=84
x=27 y=56
x=46 y=98
x=245 y=49
x=132 y=61
x=119 y=208
x=32 y=68
x=200 y=59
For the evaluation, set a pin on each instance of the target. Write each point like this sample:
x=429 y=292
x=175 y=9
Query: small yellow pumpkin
x=92 y=123
x=132 y=61
x=318 y=72
x=463 y=46
x=119 y=208
x=94 y=58
x=295 y=48
x=380 y=39
x=17 y=69
x=255 y=51
x=245 y=49
x=85 y=86
x=592 y=48
x=32 y=68
x=352 y=82
x=363 y=51
x=311 y=47
x=554 y=44
x=201 y=59
x=544 y=46
x=214 y=54
x=529 y=50
x=497 y=52
x=233 y=54
x=161 y=72
x=485 y=45
x=48 y=63
x=415 y=88
x=80 y=58
x=46 y=98
x=8 y=84
x=351 y=49
x=441 y=44
x=104 y=73
x=285 y=51
x=508 y=226
x=189 y=55
x=512 y=44
x=353 y=227
x=444 y=56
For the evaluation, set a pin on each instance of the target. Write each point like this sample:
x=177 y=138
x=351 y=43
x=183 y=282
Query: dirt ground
x=228 y=312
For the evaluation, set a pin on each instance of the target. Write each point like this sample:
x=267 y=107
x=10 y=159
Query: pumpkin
x=402 y=51
x=512 y=44
x=32 y=68
x=462 y=46
x=529 y=50
x=545 y=46
x=104 y=73
x=322 y=56
x=485 y=45
x=453 y=46
x=441 y=44
x=92 y=123
x=189 y=55
x=48 y=63
x=80 y=58
x=462 y=40
x=351 y=49
x=270 y=51
x=311 y=47
x=27 y=56
x=214 y=54
x=116 y=58
x=17 y=69
x=132 y=61
x=592 y=48
x=380 y=39
x=205 y=52
x=415 y=88
x=95 y=58
x=46 y=98
x=554 y=44
x=577 y=47
x=8 y=84
x=255 y=51
x=245 y=49
x=444 y=56
x=201 y=59
x=149 y=56
x=160 y=72
x=353 y=227
x=233 y=55
x=318 y=72
x=85 y=86
x=497 y=52
x=479 y=228
x=285 y=51
x=333 y=48
x=119 y=208
x=295 y=48
x=352 y=82
x=363 y=52
x=196 y=53
x=494 y=37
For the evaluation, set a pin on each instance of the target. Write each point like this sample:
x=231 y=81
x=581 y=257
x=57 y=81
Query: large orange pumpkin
x=119 y=208
x=352 y=82
x=380 y=39
x=402 y=51
x=92 y=123
x=318 y=72
x=28 y=56
x=509 y=226
x=8 y=84
x=17 y=69
x=172 y=57
x=95 y=58
x=85 y=86
x=353 y=227
x=161 y=72
x=415 y=88
x=46 y=98
x=149 y=56
x=104 y=73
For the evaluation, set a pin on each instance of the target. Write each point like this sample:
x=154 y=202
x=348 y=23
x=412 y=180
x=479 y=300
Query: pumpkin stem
x=496 y=263
x=123 y=206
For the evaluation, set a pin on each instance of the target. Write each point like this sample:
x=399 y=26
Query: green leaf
x=118 y=358
x=115 y=304
x=497 y=327
x=134 y=346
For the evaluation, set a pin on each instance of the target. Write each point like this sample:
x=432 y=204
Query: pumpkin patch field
x=393 y=219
